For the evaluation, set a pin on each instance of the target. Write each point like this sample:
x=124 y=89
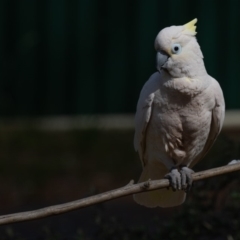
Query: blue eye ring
x=176 y=48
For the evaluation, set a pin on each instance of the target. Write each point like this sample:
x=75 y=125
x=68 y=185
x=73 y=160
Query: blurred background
x=70 y=76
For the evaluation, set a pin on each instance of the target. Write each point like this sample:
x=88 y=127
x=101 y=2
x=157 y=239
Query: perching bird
x=179 y=115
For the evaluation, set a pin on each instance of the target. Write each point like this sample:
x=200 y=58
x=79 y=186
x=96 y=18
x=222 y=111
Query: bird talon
x=186 y=178
x=174 y=178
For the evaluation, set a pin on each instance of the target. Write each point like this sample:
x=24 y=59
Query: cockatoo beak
x=162 y=58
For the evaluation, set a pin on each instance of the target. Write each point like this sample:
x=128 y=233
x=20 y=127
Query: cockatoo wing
x=218 y=113
x=143 y=113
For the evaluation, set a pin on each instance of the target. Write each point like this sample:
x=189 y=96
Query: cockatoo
x=179 y=115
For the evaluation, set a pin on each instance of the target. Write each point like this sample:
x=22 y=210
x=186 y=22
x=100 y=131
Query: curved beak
x=162 y=58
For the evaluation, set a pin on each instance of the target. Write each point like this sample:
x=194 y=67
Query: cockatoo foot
x=186 y=178
x=174 y=178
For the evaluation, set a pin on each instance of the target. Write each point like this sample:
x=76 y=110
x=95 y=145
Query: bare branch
x=129 y=189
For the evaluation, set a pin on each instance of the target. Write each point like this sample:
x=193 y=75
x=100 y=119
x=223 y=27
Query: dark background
x=91 y=56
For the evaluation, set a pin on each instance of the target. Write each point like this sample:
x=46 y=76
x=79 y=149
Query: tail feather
x=162 y=197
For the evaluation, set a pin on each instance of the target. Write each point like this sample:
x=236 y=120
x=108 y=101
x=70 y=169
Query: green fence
x=93 y=56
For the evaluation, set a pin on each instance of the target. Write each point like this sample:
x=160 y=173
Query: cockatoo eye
x=176 y=48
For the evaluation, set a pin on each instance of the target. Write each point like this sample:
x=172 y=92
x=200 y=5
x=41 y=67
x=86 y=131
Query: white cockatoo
x=180 y=113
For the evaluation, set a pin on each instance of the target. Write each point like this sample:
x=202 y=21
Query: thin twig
x=129 y=189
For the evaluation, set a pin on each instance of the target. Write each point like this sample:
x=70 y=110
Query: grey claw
x=186 y=176
x=174 y=179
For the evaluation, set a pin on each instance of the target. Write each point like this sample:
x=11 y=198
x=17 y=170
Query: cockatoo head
x=178 y=51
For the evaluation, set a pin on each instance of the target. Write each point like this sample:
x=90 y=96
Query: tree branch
x=129 y=189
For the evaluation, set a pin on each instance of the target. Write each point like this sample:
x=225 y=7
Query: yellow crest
x=190 y=27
